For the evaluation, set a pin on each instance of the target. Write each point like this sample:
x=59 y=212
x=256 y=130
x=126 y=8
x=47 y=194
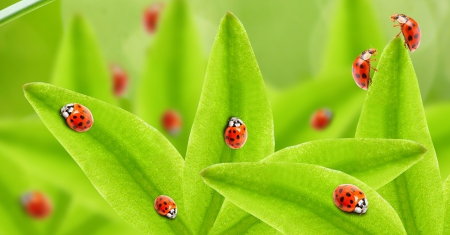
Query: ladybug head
x=172 y=213
x=362 y=206
x=66 y=110
x=365 y=55
x=401 y=18
x=235 y=122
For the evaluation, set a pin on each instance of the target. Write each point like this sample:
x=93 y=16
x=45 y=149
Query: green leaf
x=80 y=65
x=440 y=134
x=121 y=155
x=296 y=198
x=373 y=161
x=233 y=87
x=173 y=74
x=20 y=8
x=447 y=206
x=393 y=109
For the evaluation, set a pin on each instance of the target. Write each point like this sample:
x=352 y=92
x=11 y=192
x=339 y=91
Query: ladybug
x=78 y=117
x=36 y=205
x=410 y=29
x=350 y=198
x=166 y=206
x=120 y=80
x=151 y=17
x=321 y=119
x=361 y=68
x=171 y=122
x=236 y=133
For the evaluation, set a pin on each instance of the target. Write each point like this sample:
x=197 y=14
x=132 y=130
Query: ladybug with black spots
x=171 y=121
x=165 y=206
x=36 y=205
x=151 y=17
x=350 y=198
x=321 y=119
x=410 y=29
x=236 y=133
x=78 y=117
x=361 y=68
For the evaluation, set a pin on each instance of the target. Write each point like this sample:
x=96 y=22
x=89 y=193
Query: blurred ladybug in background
x=36 y=205
x=321 y=119
x=361 y=68
x=350 y=198
x=171 y=121
x=120 y=80
x=165 y=206
x=236 y=133
x=78 y=117
x=151 y=17
x=410 y=29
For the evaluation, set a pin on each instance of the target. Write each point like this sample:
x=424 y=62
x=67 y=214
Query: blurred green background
x=304 y=50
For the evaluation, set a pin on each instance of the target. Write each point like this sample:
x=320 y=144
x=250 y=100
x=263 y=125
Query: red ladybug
x=171 y=122
x=350 y=198
x=410 y=29
x=361 y=68
x=78 y=117
x=120 y=80
x=236 y=133
x=165 y=206
x=36 y=205
x=321 y=119
x=151 y=17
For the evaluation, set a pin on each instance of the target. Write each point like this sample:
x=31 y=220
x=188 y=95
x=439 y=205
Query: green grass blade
x=440 y=134
x=447 y=206
x=80 y=65
x=121 y=155
x=174 y=72
x=20 y=8
x=393 y=109
x=296 y=198
x=233 y=87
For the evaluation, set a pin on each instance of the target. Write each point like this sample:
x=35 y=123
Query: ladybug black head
x=66 y=110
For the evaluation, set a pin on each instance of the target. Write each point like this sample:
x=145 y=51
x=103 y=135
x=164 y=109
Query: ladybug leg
x=398 y=34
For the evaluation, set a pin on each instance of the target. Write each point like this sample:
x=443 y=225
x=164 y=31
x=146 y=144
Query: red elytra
x=236 y=133
x=350 y=198
x=78 y=117
x=165 y=206
x=361 y=68
x=36 y=205
x=171 y=121
x=321 y=119
x=120 y=80
x=410 y=30
x=151 y=17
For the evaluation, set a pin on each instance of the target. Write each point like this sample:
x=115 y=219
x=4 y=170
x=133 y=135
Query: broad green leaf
x=129 y=162
x=20 y=8
x=373 y=161
x=447 y=206
x=440 y=134
x=34 y=149
x=296 y=198
x=27 y=49
x=233 y=88
x=338 y=93
x=393 y=109
x=173 y=74
x=80 y=65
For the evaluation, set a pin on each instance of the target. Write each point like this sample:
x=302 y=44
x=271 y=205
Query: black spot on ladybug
x=413 y=24
x=340 y=190
x=159 y=205
x=88 y=122
x=357 y=75
x=234 y=131
x=360 y=192
x=341 y=199
x=348 y=206
x=357 y=64
x=238 y=137
x=71 y=120
x=409 y=28
x=81 y=116
x=351 y=201
x=79 y=106
x=165 y=209
x=361 y=66
x=348 y=194
x=84 y=111
x=75 y=117
x=414 y=46
x=229 y=131
x=237 y=144
x=341 y=205
x=416 y=35
x=74 y=127
x=231 y=139
x=226 y=137
x=84 y=127
x=165 y=203
x=80 y=124
x=160 y=199
x=363 y=84
x=364 y=75
x=336 y=195
x=244 y=128
x=409 y=38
